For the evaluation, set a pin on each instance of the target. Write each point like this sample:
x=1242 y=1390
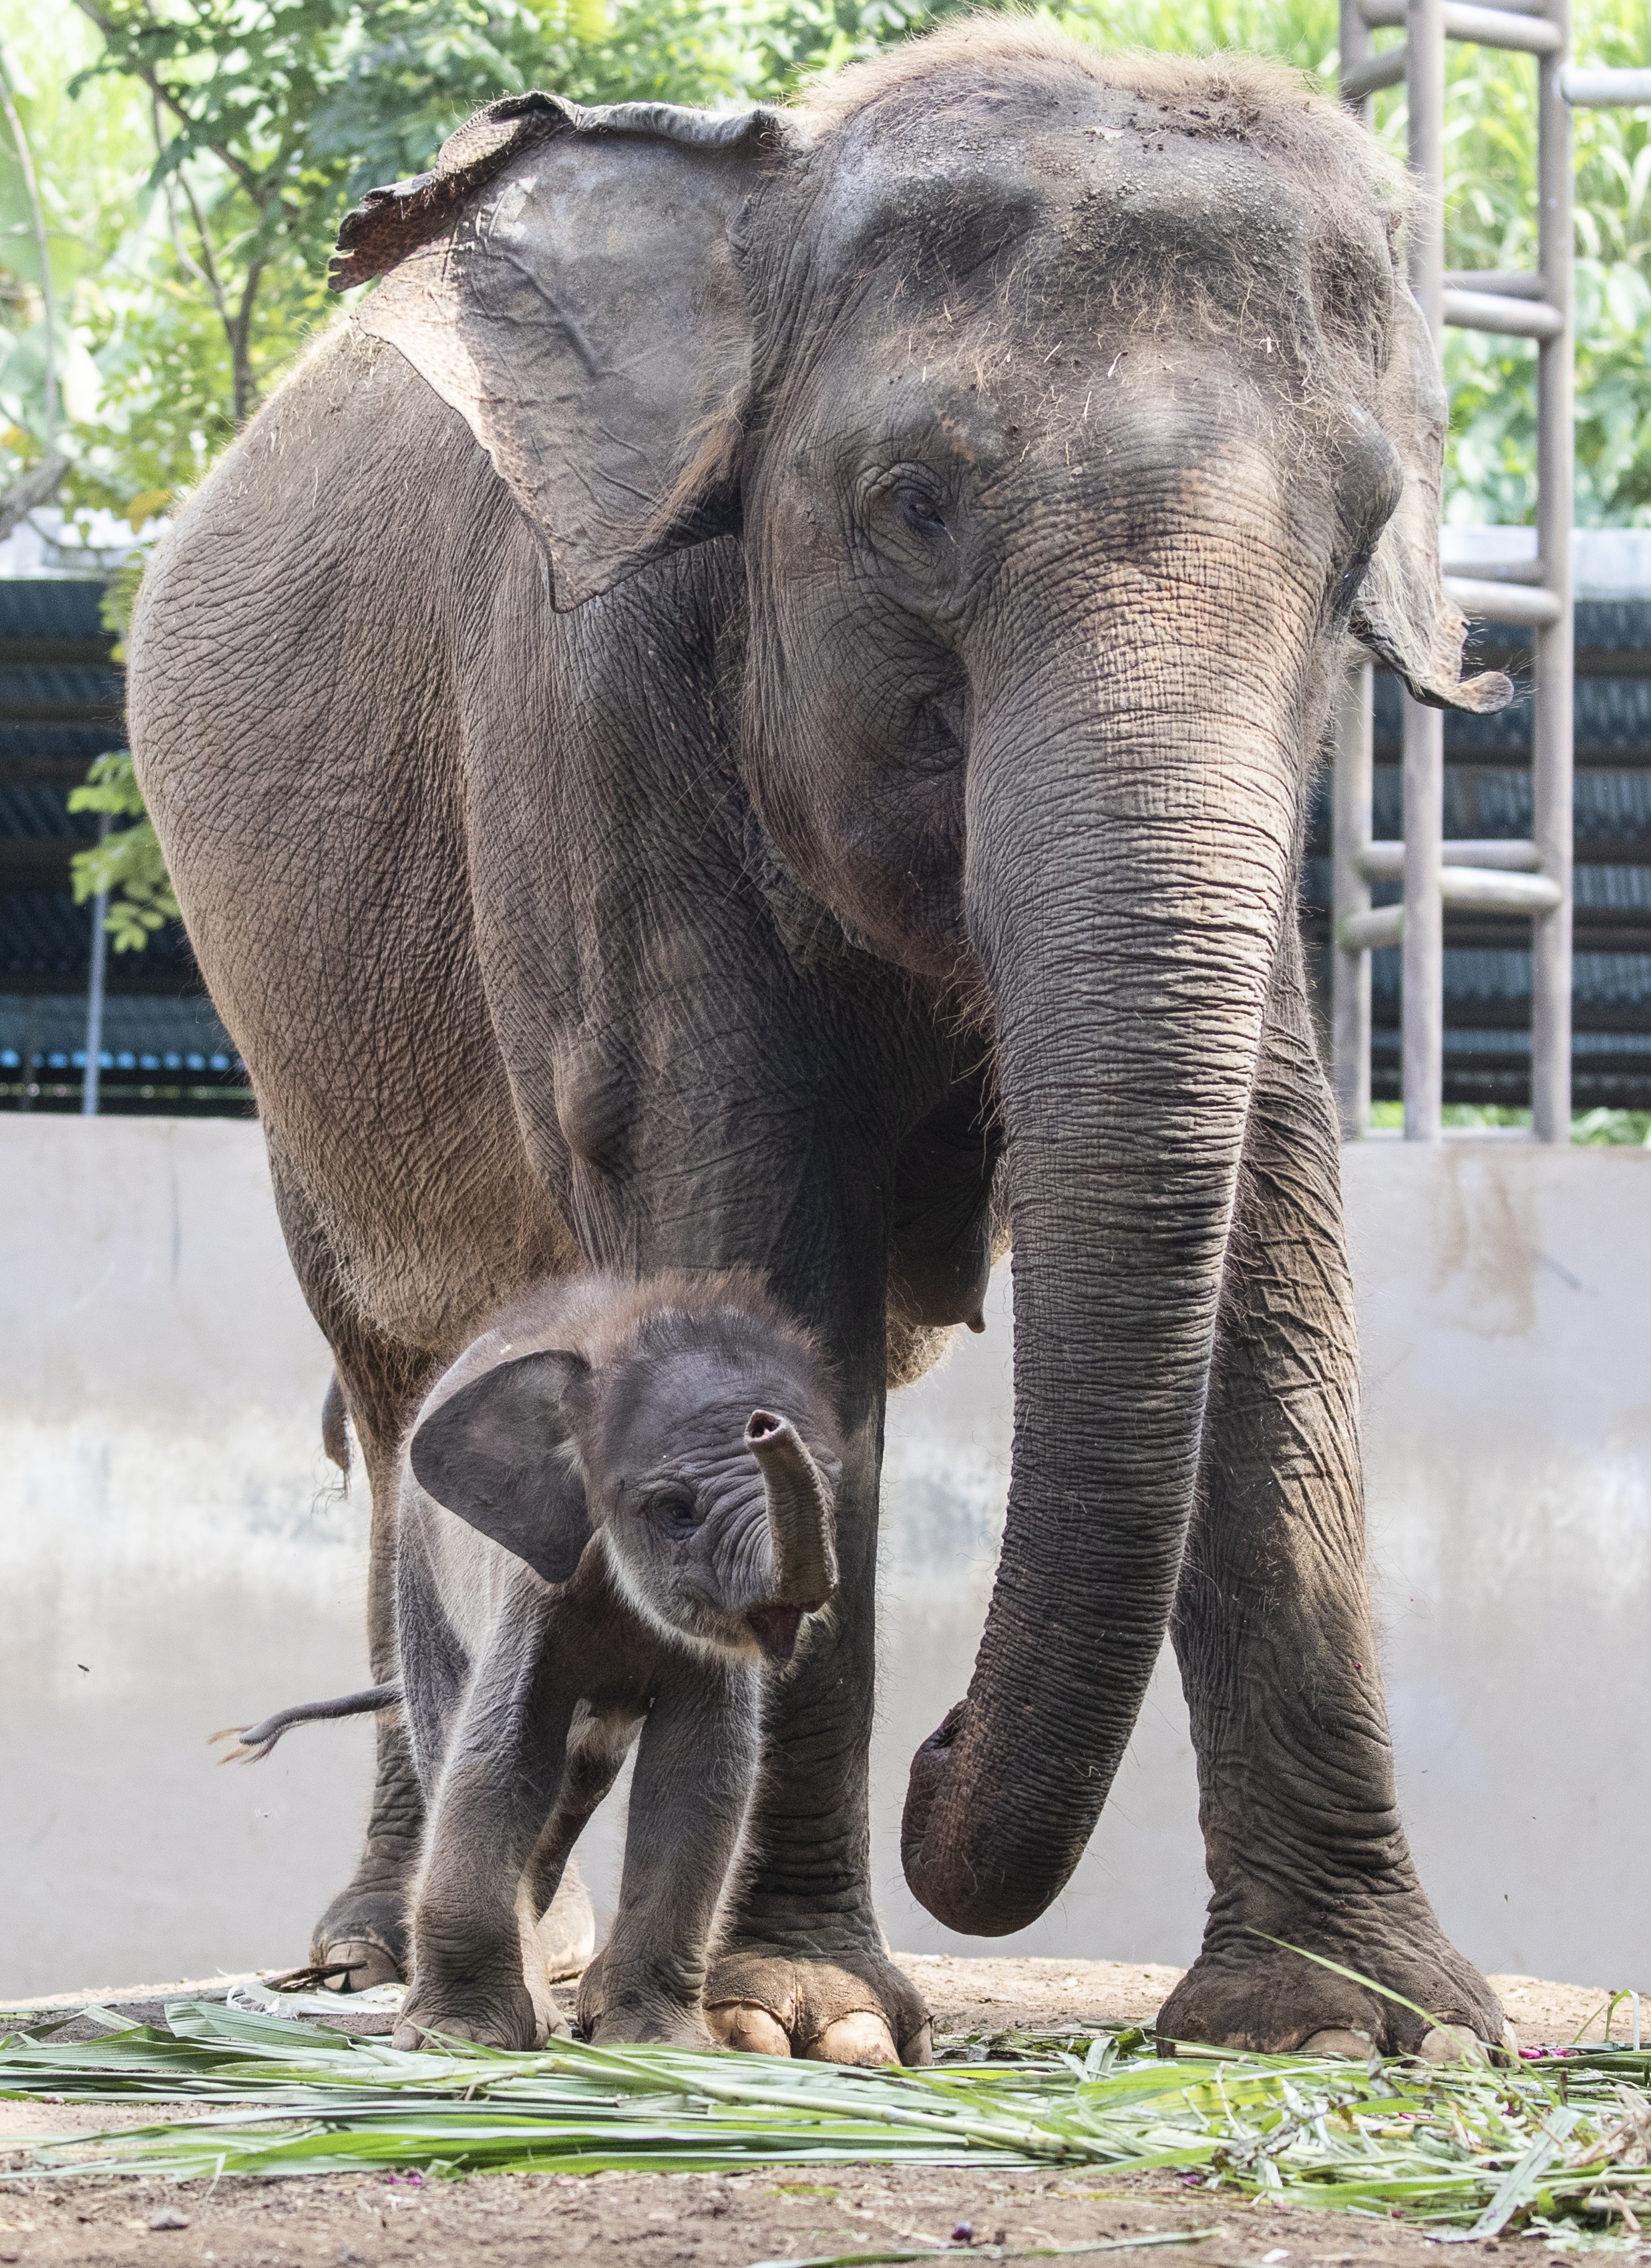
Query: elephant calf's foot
x=637 y=2008
x=859 y=2010
x=495 y=2016
x=1243 y=1991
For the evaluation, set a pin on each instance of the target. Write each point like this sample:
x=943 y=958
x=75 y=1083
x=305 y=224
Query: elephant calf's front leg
x=696 y=1765
x=1277 y=1649
x=478 y=1969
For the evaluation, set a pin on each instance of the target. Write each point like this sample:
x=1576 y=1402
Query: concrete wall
x=176 y=1556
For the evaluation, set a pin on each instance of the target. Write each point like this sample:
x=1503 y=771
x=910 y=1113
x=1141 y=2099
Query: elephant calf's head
x=690 y=1428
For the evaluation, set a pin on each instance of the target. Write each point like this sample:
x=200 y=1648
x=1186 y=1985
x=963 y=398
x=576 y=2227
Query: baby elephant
x=615 y=1506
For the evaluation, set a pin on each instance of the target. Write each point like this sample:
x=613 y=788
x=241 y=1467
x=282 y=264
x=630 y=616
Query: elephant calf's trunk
x=799 y=1512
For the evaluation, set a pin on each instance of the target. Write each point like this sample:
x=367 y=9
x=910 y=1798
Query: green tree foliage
x=128 y=863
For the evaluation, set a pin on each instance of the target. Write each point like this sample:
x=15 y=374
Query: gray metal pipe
x=1424 y=929
x=1555 y=641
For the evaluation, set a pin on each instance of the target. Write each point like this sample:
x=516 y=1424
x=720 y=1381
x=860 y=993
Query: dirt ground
x=648 y=2220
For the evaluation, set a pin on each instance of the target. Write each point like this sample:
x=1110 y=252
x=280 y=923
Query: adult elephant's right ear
x=566 y=280
x=498 y=1453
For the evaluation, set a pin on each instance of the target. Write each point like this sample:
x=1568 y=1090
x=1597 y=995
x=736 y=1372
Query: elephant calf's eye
x=675 y=1510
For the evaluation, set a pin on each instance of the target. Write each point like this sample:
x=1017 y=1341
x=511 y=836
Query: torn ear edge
x=1422 y=643
x=380 y=233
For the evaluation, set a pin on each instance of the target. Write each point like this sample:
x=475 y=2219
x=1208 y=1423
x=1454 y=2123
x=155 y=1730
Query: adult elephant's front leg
x=801 y=1968
x=1273 y=1630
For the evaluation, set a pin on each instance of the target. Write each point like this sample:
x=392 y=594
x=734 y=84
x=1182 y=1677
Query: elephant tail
x=253 y=1742
x=336 y=1426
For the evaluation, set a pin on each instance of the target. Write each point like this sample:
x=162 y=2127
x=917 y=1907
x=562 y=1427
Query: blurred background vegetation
x=191 y=159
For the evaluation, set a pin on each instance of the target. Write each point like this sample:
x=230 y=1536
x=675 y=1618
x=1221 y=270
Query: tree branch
x=38 y=486
x=256 y=189
x=204 y=270
x=245 y=391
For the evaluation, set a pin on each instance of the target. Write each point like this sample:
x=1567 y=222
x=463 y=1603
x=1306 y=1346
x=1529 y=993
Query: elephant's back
x=300 y=591
x=295 y=717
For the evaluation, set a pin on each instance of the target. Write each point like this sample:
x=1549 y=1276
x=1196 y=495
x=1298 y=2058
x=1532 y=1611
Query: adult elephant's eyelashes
x=920 y=513
x=1347 y=587
x=910 y=499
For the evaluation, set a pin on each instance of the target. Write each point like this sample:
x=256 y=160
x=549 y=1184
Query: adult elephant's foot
x=1243 y=1991
x=363 y=1933
x=362 y=1938
x=638 y=2010
x=853 y=2006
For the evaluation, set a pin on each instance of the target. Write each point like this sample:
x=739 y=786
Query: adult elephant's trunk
x=1130 y=854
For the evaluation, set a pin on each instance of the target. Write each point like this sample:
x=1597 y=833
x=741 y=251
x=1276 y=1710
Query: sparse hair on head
x=1251 y=96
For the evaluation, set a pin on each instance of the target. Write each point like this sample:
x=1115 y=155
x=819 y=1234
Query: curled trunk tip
x=800 y=1515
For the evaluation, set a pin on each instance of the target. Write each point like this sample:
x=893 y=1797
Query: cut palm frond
x=1454 y=2147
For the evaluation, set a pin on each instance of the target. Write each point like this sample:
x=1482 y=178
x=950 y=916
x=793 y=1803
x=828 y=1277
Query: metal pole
x=1350 y=893
x=1424 y=728
x=1350 y=824
x=31 y=1049
x=1355 y=44
x=94 y=992
x=1553 y=721
x=1424 y=941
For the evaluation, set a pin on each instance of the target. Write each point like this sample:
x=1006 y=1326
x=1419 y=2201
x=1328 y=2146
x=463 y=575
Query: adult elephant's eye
x=917 y=510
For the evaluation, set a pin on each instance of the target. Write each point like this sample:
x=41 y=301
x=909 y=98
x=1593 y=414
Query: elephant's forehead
x=697 y=1401
x=1076 y=169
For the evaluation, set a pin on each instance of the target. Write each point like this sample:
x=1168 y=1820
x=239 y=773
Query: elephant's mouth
x=775 y=1629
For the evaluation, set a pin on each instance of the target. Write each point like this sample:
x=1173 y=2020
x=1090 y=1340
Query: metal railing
x=1527 y=878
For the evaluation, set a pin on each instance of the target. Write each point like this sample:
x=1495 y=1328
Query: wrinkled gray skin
x=770 y=668
x=615 y=1506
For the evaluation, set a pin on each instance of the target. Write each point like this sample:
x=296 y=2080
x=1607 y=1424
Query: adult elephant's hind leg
x=1274 y=1635
x=364 y=1932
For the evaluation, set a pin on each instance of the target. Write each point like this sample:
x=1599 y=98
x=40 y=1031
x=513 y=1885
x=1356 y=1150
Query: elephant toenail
x=919 y=2048
x=863 y=2037
x=747 y=2026
x=1340 y=2041
x=361 y=1964
x=1452 y=2043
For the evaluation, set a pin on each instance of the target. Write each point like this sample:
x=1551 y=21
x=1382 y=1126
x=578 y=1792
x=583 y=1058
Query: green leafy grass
x=1594 y=1129
x=1559 y=2146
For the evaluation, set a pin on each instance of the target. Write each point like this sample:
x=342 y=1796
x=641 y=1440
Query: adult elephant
x=775 y=663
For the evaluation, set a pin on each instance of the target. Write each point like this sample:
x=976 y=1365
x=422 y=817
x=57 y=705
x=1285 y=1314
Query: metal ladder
x=1534 y=878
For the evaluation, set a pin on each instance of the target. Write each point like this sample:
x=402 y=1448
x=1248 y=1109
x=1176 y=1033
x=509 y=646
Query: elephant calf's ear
x=566 y=282
x=1402 y=614
x=496 y=1454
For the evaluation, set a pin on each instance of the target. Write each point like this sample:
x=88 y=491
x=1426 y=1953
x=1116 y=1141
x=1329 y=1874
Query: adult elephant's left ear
x=566 y=279
x=1402 y=614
